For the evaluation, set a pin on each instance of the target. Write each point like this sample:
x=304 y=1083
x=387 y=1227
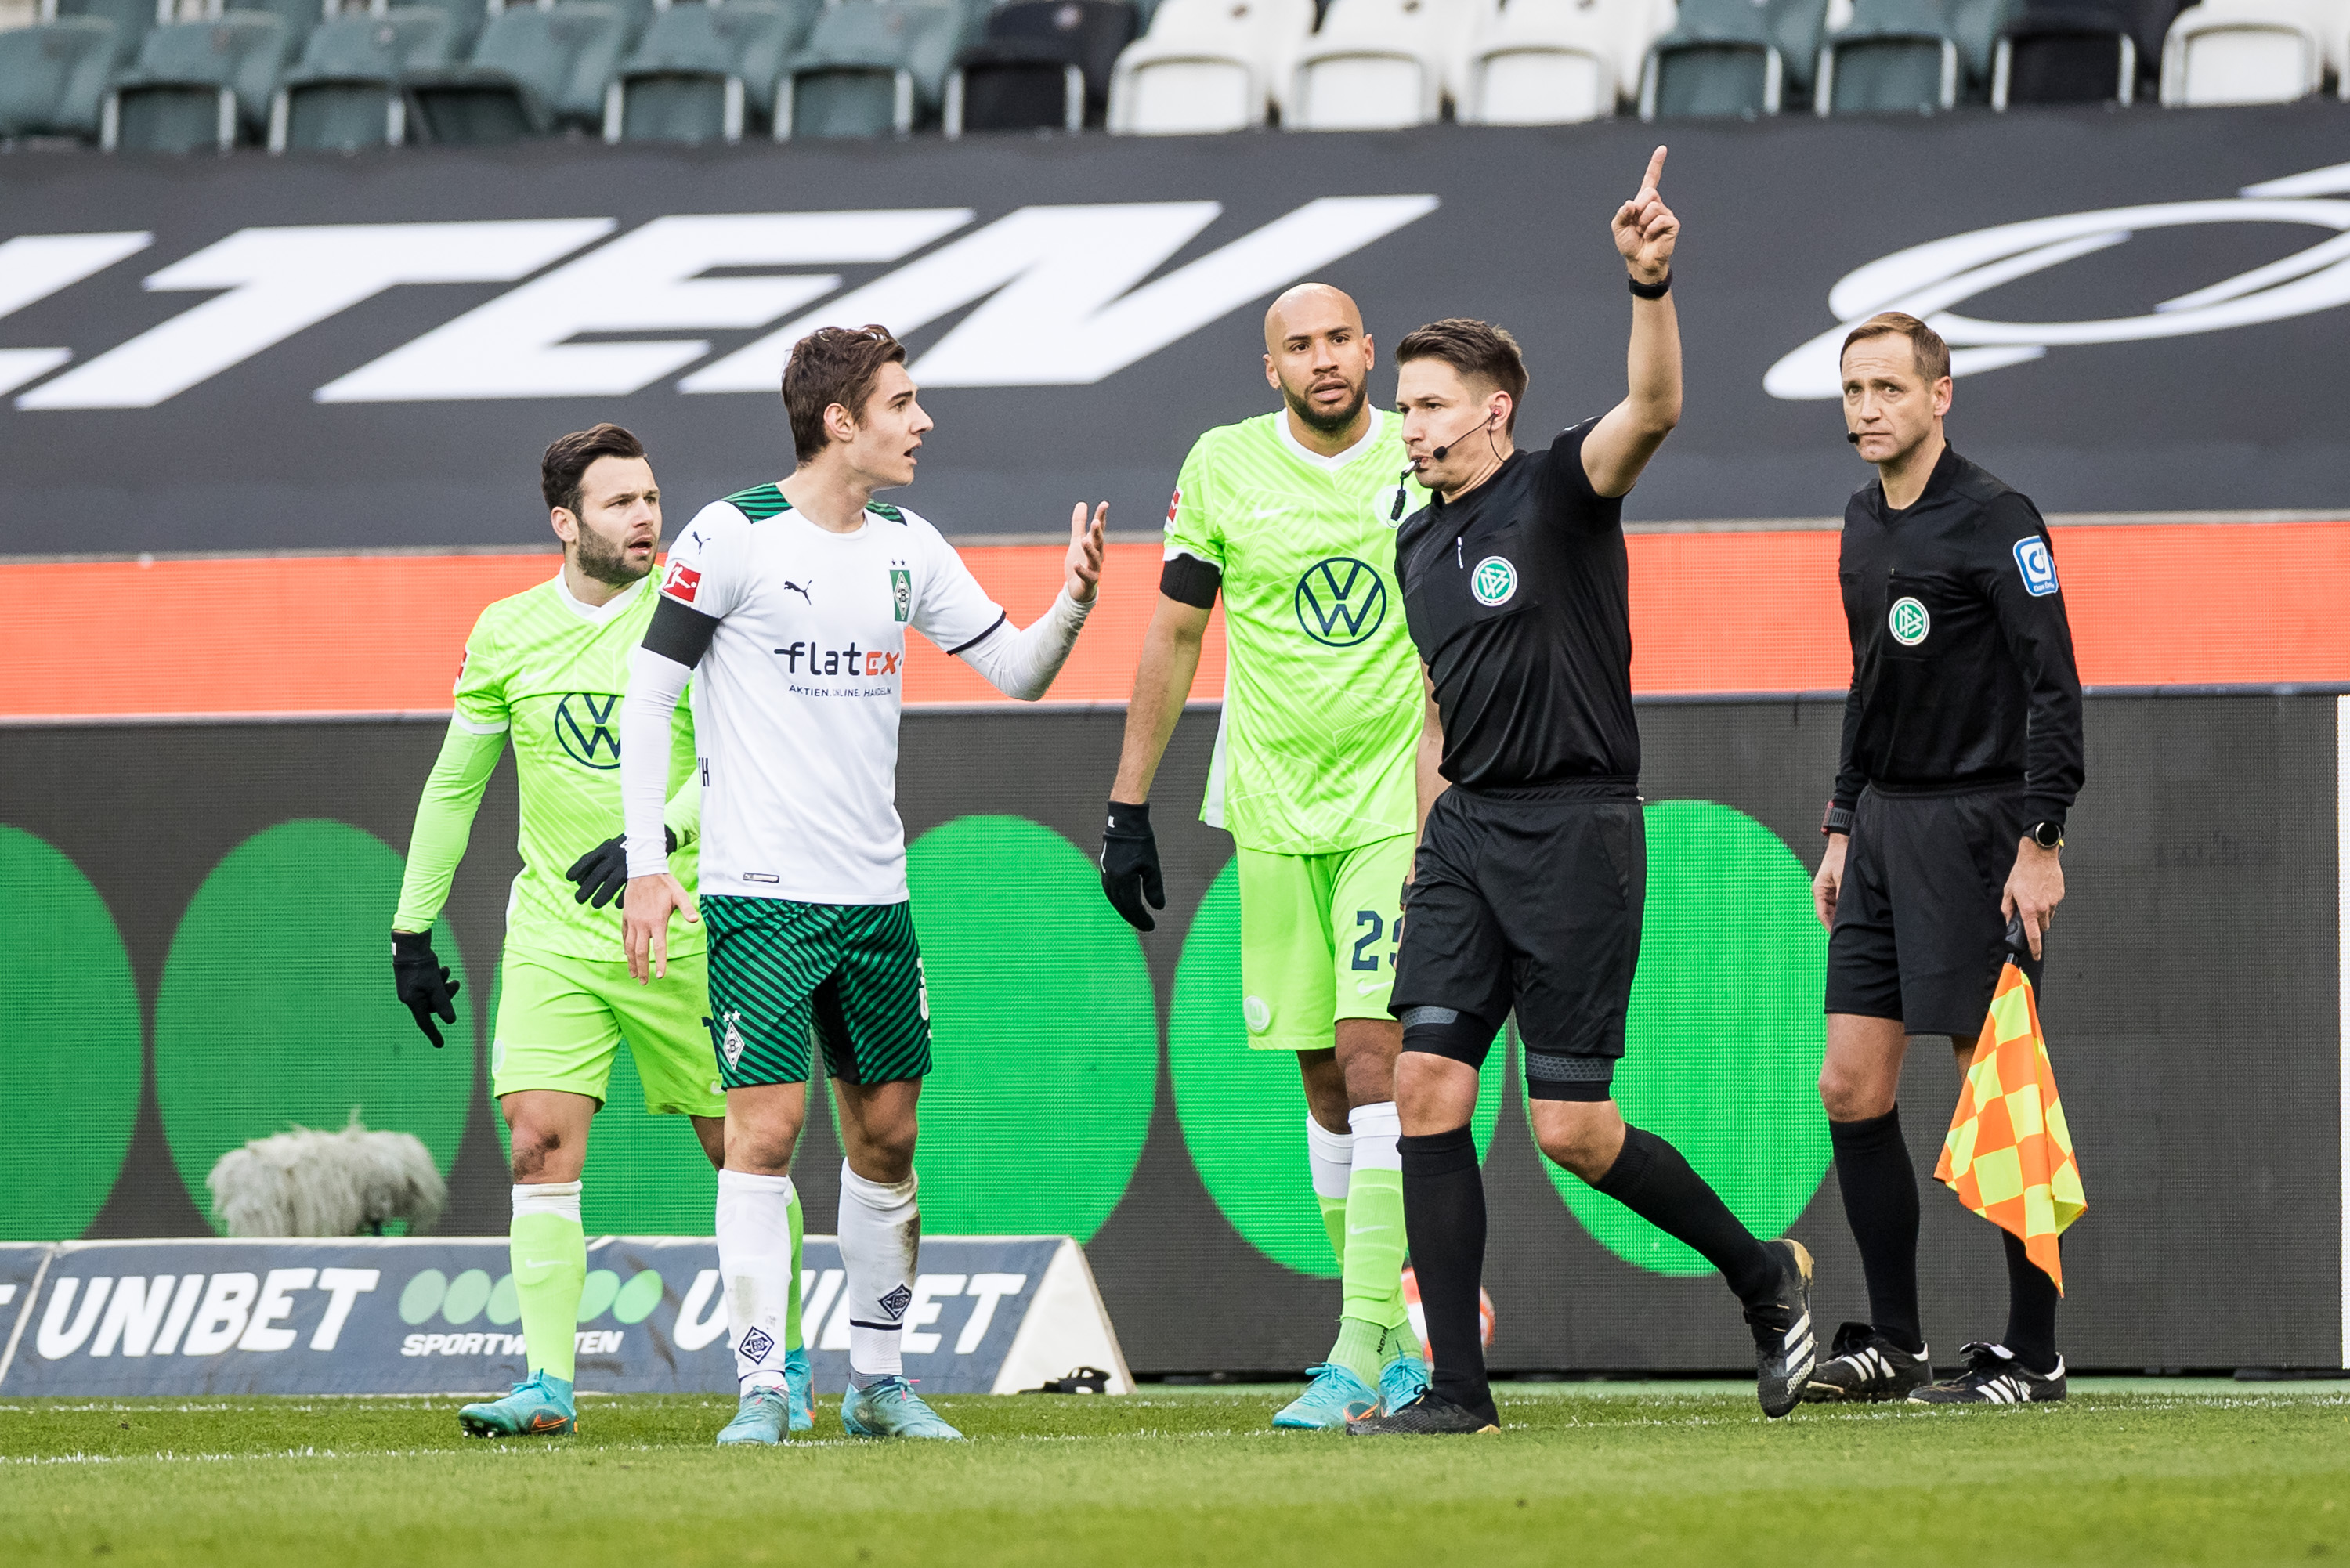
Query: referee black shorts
x=1528 y=899
x=1919 y=936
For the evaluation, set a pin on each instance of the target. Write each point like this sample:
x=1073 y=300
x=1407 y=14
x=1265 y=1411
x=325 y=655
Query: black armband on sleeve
x=679 y=632
x=1189 y=580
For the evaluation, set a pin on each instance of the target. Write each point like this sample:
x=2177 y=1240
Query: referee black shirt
x=1517 y=598
x=1962 y=658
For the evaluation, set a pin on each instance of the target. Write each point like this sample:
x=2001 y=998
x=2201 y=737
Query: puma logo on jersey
x=799 y=590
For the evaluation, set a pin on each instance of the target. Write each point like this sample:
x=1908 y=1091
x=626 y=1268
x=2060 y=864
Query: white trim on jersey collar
x=595 y=613
x=1298 y=448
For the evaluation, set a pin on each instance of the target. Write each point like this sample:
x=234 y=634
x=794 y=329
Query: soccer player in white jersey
x=788 y=605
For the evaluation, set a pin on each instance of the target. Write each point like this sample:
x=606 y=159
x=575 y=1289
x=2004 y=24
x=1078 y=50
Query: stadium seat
x=533 y=71
x=1974 y=27
x=53 y=77
x=1719 y=59
x=868 y=69
x=344 y=93
x=466 y=18
x=1374 y=65
x=2243 y=51
x=1042 y=64
x=2065 y=51
x=703 y=71
x=1206 y=66
x=636 y=16
x=1896 y=56
x=195 y=84
x=299 y=18
x=132 y=19
x=1799 y=27
x=1542 y=62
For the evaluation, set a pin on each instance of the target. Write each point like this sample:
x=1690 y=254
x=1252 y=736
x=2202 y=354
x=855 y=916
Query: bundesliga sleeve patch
x=2039 y=569
x=1174 y=504
x=683 y=582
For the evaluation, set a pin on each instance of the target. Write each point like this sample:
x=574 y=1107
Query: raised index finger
x=1656 y=173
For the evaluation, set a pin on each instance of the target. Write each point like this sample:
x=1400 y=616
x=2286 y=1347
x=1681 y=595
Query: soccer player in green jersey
x=1292 y=516
x=548 y=667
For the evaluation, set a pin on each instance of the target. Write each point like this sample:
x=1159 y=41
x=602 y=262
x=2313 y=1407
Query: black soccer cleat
x=1993 y=1376
x=1430 y=1414
x=1785 y=1346
x=1865 y=1367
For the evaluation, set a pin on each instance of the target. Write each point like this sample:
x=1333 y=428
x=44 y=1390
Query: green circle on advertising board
x=596 y=1296
x=422 y=1296
x=469 y=1293
x=638 y=1297
x=277 y=1006
x=69 y=1054
x=1244 y=1110
x=505 y=1306
x=1724 y=1041
x=1044 y=1033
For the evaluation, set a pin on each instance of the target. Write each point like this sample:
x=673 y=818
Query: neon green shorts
x=1318 y=940
x=561 y=1019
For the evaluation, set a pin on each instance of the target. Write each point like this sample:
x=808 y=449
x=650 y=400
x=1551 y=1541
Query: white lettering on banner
x=701 y=1317
x=135 y=1315
x=281 y=281
x=183 y=1307
x=262 y=1333
x=646 y=280
x=1062 y=314
x=33 y=266
x=7 y=1294
x=62 y=1331
x=343 y=1287
x=220 y=1320
x=1927 y=280
x=989 y=1289
x=922 y=1310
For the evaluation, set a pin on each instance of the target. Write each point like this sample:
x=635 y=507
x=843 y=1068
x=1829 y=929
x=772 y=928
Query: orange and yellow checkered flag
x=2009 y=1154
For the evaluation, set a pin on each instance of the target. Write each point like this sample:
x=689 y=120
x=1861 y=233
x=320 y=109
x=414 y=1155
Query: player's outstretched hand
x=1646 y=228
x=1130 y=865
x=1085 y=562
x=425 y=988
x=603 y=871
x=645 y=911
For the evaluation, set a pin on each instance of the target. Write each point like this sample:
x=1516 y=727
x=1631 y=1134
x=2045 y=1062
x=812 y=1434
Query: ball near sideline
x=1419 y=1319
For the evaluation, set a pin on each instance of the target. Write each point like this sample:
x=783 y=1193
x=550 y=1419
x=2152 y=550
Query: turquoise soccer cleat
x=1333 y=1397
x=539 y=1407
x=759 y=1419
x=891 y=1408
x=1401 y=1381
x=799 y=1386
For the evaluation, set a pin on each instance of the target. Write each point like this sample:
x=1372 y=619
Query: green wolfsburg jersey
x=1321 y=699
x=550 y=670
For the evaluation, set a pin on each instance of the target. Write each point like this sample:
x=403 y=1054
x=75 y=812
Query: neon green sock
x=1333 y=1220
x=550 y=1269
x=792 y=1311
x=1371 y=1282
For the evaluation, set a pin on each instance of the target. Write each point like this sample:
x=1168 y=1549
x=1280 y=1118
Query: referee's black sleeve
x=2039 y=637
x=1849 y=779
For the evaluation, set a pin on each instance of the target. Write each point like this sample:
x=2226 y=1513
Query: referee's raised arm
x=1620 y=445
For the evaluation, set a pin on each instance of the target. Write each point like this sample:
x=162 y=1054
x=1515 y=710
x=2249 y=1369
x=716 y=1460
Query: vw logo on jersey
x=588 y=725
x=1493 y=581
x=1908 y=622
x=1341 y=601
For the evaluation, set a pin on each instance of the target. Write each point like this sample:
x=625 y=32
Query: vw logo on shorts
x=1493 y=581
x=588 y=725
x=1908 y=622
x=1341 y=601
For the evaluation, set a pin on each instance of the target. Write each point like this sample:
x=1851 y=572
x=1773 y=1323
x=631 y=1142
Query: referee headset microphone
x=1395 y=512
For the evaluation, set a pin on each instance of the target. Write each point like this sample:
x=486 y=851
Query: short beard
x=1313 y=419
x=604 y=562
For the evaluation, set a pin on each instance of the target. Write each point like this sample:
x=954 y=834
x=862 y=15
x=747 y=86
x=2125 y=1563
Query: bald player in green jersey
x=1292 y=517
x=547 y=667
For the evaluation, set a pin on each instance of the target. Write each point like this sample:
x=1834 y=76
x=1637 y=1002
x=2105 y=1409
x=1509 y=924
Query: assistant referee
x=1961 y=756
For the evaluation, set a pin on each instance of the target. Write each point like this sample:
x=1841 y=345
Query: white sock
x=1376 y=1129
x=880 y=1235
x=754 y=1260
x=560 y=1199
x=1332 y=1155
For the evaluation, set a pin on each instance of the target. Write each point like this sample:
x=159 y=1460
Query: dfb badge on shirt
x=2039 y=569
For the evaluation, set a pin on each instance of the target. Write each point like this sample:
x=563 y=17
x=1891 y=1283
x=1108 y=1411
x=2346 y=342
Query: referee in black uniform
x=1532 y=870
x=1961 y=754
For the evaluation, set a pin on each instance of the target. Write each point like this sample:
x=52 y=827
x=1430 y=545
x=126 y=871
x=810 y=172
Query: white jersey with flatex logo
x=797 y=698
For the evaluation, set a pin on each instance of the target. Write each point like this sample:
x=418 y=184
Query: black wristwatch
x=2047 y=835
x=1836 y=819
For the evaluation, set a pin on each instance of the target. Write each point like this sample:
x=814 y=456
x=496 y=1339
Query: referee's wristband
x=1657 y=290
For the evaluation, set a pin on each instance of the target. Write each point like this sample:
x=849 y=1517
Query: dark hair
x=565 y=463
x=1481 y=353
x=833 y=365
x=1932 y=354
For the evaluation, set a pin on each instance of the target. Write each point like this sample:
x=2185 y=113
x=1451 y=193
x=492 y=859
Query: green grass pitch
x=2125 y=1473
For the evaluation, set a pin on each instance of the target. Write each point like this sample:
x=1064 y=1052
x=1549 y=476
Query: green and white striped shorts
x=783 y=973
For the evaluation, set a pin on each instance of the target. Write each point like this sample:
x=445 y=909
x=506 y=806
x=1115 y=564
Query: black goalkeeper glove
x=603 y=872
x=1130 y=865
x=425 y=988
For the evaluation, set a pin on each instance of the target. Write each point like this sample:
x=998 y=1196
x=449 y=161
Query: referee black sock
x=1652 y=1179
x=2031 y=1310
x=1880 y=1204
x=1444 y=1219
